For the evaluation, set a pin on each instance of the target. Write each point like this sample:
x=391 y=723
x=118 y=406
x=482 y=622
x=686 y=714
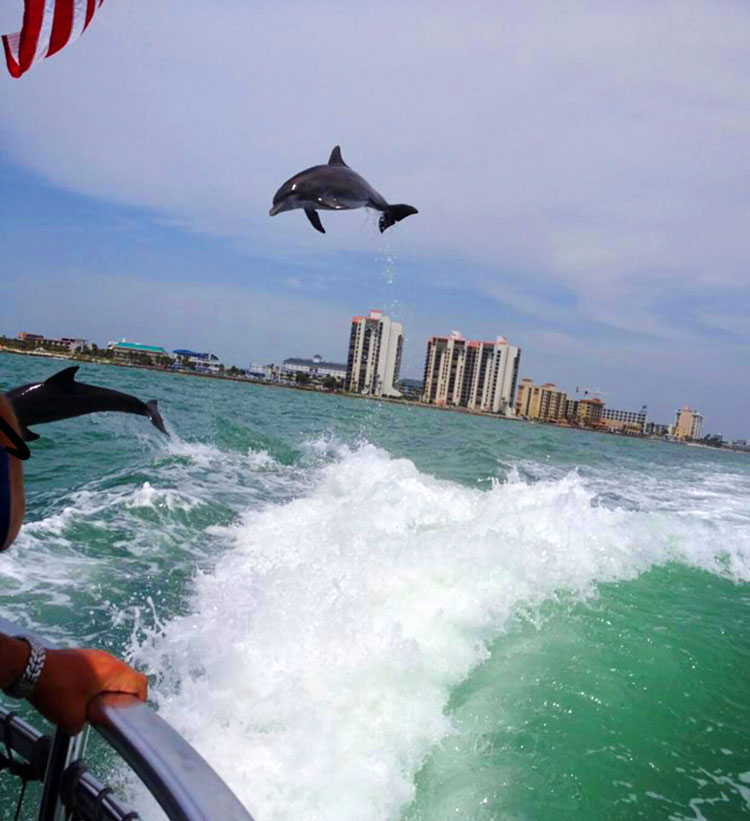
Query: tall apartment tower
x=471 y=374
x=374 y=362
x=687 y=423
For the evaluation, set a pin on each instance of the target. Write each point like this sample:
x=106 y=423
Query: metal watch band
x=24 y=685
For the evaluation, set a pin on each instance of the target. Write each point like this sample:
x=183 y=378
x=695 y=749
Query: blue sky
x=581 y=173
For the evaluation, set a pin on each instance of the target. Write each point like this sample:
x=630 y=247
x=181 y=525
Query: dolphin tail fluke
x=155 y=416
x=395 y=213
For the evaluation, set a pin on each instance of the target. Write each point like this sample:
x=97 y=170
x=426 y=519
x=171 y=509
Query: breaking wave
x=317 y=655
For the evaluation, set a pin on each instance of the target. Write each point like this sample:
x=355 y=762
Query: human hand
x=72 y=678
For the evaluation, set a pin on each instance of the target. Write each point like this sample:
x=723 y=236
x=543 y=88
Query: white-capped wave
x=315 y=667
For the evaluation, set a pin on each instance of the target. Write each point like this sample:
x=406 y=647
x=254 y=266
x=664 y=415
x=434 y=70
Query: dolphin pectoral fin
x=64 y=378
x=336 y=158
x=29 y=435
x=395 y=213
x=312 y=215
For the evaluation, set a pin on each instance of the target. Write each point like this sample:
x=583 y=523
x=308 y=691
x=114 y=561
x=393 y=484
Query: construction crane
x=587 y=391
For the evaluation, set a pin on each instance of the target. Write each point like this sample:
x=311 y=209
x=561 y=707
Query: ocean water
x=355 y=610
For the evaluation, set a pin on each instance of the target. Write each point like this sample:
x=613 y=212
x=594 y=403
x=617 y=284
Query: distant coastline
x=87 y=358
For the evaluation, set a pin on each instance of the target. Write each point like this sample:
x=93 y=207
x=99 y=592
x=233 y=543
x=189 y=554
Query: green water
x=355 y=609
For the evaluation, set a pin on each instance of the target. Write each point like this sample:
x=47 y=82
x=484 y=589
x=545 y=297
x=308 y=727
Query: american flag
x=48 y=25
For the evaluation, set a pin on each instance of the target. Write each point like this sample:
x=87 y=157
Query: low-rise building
x=411 y=388
x=315 y=368
x=201 y=362
x=70 y=343
x=625 y=421
x=135 y=353
x=268 y=373
x=655 y=429
x=687 y=423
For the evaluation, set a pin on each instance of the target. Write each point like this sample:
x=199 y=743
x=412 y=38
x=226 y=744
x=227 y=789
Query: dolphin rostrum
x=61 y=397
x=334 y=187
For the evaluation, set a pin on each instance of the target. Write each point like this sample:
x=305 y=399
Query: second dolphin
x=61 y=397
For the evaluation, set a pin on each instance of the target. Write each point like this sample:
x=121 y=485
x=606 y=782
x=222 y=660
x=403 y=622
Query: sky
x=581 y=172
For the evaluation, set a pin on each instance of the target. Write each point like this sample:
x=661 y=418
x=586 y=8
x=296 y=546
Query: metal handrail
x=181 y=781
x=173 y=772
x=33 y=747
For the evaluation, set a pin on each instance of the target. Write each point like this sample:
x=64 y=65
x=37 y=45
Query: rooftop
x=137 y=346
x=317 y=363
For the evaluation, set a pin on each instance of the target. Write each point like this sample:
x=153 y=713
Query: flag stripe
x=62 y=26
x=90 y=9
x=45 y=32
x=79 y=19
x=10 y=47
x=33 y=17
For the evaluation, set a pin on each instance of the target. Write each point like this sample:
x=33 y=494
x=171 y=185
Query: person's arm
x=70 y=679
x=14 y=654
x=15 y=477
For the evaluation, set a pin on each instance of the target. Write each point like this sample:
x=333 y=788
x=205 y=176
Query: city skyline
x=510 y=395
x=596 y=213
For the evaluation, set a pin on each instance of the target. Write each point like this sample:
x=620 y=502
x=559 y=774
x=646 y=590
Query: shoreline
x=412 y=403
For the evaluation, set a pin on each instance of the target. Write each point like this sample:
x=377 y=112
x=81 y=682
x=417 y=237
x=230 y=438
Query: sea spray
x=319 y=654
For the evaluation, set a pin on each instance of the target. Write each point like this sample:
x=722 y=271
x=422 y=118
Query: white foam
x=148 y=496
x=315 y=667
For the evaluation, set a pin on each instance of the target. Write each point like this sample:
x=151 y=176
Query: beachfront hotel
x=625 y=421
x=585 y=411
x=471 y=374
x=542 y=402
x=315 y=368
x=547 y=404
x=135 y=352
x=687 y=423
x=374 y=362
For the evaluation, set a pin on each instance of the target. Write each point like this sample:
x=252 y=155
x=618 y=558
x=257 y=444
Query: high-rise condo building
x=374 y=362
x=687 y=423
x=471 y=374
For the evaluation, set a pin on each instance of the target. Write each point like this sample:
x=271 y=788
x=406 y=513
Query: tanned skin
x=71 y=678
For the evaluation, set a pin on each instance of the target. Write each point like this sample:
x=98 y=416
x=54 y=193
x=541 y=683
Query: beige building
x=543 y=402
x=375 y=345
x=687 y=423
x=471 y=374
x=584 y=411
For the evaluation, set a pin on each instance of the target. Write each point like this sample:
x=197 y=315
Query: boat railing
x=184 y=785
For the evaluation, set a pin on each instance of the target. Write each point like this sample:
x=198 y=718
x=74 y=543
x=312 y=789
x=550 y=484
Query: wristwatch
x=24 y=685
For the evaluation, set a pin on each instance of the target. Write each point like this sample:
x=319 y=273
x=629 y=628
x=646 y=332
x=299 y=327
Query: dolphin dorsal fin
x=336 y=158
x=64 y=378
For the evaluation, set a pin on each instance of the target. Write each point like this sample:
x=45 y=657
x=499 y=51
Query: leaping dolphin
x=334 y=187
x=61 y=397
